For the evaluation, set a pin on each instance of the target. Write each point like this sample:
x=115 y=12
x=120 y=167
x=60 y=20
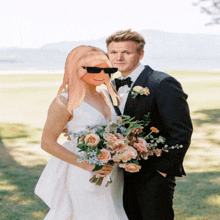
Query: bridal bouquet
x=122 y=142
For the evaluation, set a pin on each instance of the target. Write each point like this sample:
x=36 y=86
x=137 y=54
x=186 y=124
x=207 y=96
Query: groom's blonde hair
x=127 y=35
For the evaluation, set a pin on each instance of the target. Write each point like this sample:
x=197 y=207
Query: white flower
x=140 y=90
x=137 y=89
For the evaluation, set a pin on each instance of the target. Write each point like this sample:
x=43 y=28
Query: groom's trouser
x=150 y=199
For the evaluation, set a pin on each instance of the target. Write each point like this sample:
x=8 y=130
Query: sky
x=34 y=23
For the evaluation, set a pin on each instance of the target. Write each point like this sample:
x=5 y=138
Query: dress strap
x=117 y=110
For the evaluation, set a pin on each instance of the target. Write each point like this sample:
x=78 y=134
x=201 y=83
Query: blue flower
x=99 y=163
x=92 y=160
x=92 y=153
x=69 y=133
x=80 y=160
x=122 y=129
x=80 y=133
x=81 y=155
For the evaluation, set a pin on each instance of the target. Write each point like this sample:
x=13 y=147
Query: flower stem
x=99 y=181
x=93 y=179
x=148 y=135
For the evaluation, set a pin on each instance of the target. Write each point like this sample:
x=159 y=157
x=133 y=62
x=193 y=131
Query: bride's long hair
x=73 y=85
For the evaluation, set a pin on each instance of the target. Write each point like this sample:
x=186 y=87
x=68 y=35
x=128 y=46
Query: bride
x=64 y=184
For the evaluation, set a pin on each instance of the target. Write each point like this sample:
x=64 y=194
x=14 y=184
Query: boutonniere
x=139 y=90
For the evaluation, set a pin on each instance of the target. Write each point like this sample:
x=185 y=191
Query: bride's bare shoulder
x=59 y=110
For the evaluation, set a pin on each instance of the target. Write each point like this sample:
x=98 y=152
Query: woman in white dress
x=64 y=184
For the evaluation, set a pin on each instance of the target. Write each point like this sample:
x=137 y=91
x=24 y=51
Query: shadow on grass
x=18 y=200
x=197 y=196
x=212 y=116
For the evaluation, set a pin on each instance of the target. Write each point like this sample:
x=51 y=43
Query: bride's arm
x=57 y=118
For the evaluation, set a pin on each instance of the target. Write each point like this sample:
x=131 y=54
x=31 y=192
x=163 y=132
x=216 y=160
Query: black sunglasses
x=98 y=69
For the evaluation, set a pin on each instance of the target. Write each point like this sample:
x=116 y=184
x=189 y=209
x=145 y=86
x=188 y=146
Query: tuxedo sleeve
x=175 y=117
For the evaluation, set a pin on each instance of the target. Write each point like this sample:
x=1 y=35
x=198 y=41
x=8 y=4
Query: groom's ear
x=141 y=54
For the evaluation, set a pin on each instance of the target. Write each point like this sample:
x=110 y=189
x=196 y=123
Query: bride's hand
x=88 y=167
x=105 y=171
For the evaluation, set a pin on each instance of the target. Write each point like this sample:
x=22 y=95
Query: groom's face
x=124 y=56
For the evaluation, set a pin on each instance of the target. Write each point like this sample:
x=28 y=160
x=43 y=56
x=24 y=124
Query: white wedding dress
x=66 y=189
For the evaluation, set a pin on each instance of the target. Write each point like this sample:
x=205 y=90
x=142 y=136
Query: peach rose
x=126 y=157
x=141 y=145
x=155 y=130
x=130 y=153
x=110 y=137
x=158 y=152
x=110 y=147
x=92 y=139
x=145 y=155
x=132 y=168
x=136 y=131
x=105 y=156
x=117 y=157
x=119 y=145
x=119 y=136
x=123 y=165
x=146 y=91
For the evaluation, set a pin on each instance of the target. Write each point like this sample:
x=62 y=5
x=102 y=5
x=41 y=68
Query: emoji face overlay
x=96 y=79
x=124 y=55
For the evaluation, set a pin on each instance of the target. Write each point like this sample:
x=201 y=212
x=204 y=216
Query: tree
x=211 y=8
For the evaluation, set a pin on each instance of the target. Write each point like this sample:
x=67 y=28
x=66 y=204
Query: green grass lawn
x=30 y=78
x=23 y=113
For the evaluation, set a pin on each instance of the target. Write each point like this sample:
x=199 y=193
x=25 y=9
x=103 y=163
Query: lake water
x=157 y=63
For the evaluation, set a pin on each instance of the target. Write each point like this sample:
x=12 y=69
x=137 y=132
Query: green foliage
x=97 y=167
x=135 y=162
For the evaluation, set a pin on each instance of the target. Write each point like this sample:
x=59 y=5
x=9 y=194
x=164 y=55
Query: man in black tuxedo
x=148 y=194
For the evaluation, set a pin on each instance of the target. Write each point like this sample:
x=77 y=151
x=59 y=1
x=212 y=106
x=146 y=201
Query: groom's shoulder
x=158 y=76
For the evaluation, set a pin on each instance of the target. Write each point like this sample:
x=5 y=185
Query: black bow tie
x=122 y=82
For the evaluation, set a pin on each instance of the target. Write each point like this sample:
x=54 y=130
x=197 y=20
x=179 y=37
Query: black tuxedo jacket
x=169 y=113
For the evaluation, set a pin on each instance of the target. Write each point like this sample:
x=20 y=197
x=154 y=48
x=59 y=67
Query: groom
x=148 y=194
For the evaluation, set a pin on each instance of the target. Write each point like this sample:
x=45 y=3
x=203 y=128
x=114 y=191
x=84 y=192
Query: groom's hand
x=105 y=171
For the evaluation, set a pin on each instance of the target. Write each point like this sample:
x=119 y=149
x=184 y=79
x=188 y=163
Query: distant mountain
x=162 y=50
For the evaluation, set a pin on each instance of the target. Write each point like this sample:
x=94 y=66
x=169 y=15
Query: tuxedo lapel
x=131 y=103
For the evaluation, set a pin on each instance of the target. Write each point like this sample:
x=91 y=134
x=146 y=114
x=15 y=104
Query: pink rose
x=92 y=139
x=105 y=156
x=141 y=145
x=132 y=168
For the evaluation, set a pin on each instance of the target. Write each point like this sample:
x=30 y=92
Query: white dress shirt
x=124 y=90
